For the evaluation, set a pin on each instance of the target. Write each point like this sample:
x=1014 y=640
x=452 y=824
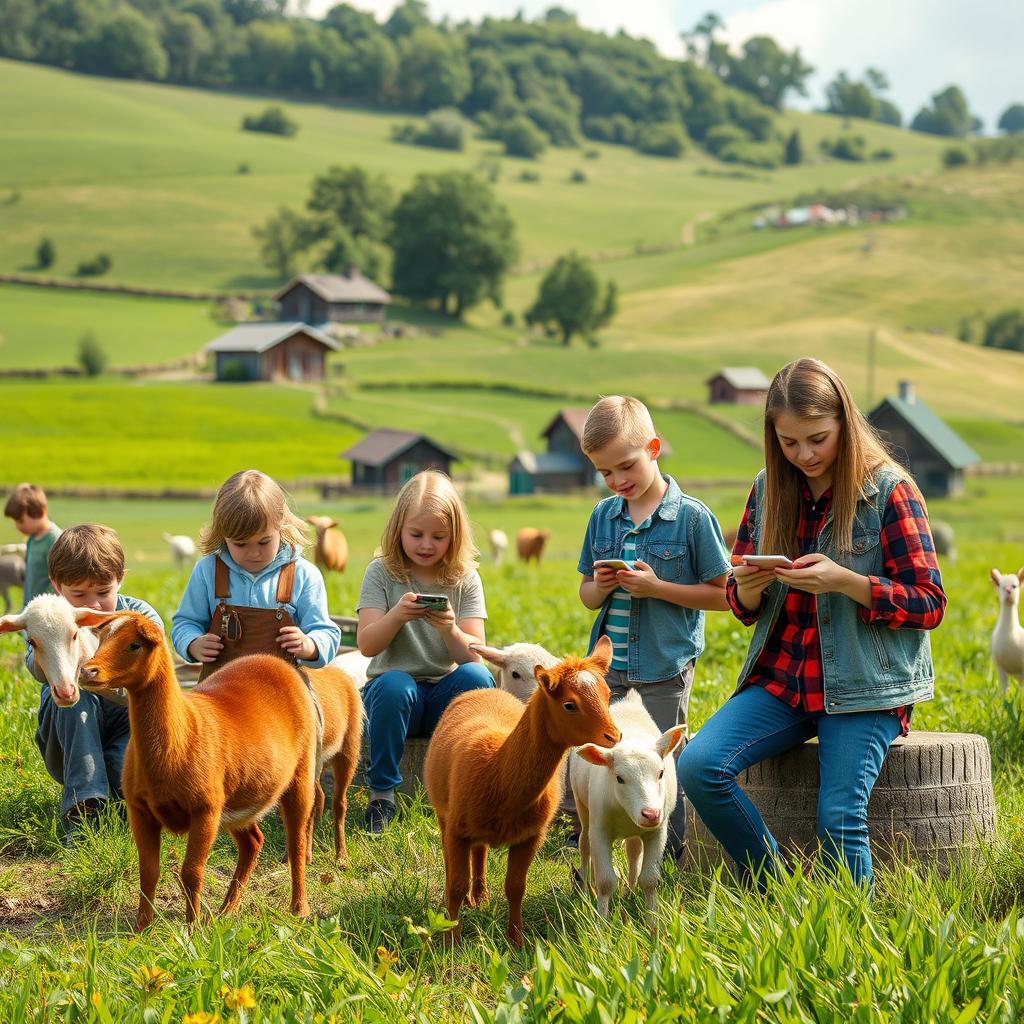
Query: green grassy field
x=149 y=173
x=927 y=948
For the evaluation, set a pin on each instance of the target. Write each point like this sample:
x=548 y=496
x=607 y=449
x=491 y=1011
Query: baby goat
x=1008 y=636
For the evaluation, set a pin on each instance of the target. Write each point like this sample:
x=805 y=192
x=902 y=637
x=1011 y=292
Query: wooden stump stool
x=932 y=799
x=411 y=765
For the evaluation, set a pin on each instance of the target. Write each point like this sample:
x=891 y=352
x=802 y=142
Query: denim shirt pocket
x=668 y=560
x=866 y=556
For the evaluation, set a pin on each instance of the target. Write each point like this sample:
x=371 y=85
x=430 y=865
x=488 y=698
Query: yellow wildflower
x=152 y=979
x=239 y=998
x=201 y=1017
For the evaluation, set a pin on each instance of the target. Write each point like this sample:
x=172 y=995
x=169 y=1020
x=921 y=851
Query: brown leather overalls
x=245 y=630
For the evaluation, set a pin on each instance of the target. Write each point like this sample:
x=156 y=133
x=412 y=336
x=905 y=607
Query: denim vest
x=684 y=545
x=866 y=667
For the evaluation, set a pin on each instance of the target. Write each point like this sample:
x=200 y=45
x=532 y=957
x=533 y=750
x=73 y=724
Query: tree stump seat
x=933 y=799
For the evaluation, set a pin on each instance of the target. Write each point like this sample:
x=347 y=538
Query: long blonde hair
x=430 y=493
x=808 y=389
x=246 y=504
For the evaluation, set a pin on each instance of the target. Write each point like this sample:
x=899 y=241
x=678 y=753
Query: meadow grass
x=927 y=948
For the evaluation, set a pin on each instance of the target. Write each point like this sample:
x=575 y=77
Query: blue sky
x=921 y=45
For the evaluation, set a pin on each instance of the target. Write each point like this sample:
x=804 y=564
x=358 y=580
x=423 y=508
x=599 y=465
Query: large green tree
x=862 y=98
x=433 y=69
x=1012 y=119
x=571 y=298
x=947 y=115
x=453 y=242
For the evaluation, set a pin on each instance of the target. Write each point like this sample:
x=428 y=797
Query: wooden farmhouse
x=385 y=459
x=333 y=298
x=934 y=454
x=271 y=351
x=737 y=385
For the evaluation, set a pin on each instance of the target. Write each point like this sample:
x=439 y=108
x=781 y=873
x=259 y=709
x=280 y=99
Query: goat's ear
x=595 y=754
x=669 y=740
x=91 y=617
x=149 y=631
x=12 y=623
x=495 y=655
x=1020 y=574
x=994 y=576
x=602 y=653
x=331 y=523
x=544 y=678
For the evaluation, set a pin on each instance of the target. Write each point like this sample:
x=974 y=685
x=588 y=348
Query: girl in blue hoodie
x=253 y=592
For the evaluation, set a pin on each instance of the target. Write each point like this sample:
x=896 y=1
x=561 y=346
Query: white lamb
x=627 y=792
x=60 y=641
x=354 y=664
x=1008 y=636
x=183 y=549
x=515 y=665
x=499 y=545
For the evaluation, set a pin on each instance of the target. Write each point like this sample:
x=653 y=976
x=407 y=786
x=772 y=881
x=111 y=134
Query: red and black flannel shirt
x=909 y=596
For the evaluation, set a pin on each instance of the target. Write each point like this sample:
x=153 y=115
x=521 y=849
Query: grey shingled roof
x=339 y=287
x=746 y=378
x=381 y=446
x=933 y=431
x=259 y=337
x=575 y=418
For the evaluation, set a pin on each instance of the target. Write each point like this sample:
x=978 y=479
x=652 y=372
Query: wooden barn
x=932 y=451
x=271 y=351
x=737 y=385
x=385 y=459
x=333 y=298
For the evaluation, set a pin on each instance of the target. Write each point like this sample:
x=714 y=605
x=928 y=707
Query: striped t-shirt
x=616 y=623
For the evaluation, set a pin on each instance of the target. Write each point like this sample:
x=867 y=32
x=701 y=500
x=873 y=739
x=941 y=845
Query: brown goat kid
x=493 y=773
x=218 y=757
x=343 y=735
x=331 y=551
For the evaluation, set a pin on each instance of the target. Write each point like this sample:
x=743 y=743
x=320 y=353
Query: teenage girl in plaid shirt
x=840 y=646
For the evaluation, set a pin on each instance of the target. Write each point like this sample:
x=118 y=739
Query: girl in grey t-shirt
x=420 y=654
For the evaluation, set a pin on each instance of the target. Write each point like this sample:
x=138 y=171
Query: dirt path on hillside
x=689 y=232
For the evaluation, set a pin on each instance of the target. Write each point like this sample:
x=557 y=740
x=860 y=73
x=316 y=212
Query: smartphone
x=613 y=563
x=763 y=561
x=435 y=602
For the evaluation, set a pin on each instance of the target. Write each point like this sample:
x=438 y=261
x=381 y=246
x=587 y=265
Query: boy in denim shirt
x=654 y=612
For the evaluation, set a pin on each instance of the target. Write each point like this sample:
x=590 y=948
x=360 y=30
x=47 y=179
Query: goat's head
x=60 y=640
x=1008 y=585
x=576 y=696
x=124 y=657
x=515 y=664
x=321 y=523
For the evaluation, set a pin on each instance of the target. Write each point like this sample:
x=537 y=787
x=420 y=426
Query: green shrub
x=752 y=154
x=232 y=371
x=883 y=154
x=45 y=254
x=617 y=129
x=847 y=147
x=91 y=357
x=98 y=265
x=523 y=138
x=446 y=128
x=529 y=176
x=242 y=168
x=578 y=177
x=663 y=139
x=273 y=120
x=508 y=318
x=956 y=156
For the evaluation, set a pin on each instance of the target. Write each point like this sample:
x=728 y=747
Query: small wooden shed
x=934 y=454
x=563 y=467
x=385 y=459
x=737 y=385
x=337 y=298
x=271 y=351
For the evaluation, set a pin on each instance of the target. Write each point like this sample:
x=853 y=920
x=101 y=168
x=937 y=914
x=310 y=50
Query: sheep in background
x=1007 y=645
x=628 y=793
x=944 y=539
x=12 y=574
x=183 y=549
x=530 y=543
x=515 y=665
x=499 y=545
x=331 y=550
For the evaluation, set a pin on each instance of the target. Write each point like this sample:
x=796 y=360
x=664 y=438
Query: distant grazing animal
x=12 y=574
x=944 y=539
x=515 y=664
x=499 y=545
x=331 y=550
x=60 y=640
x=1008 y=637
x=214 y=758
x=342 y=737
x=627 y=793
x=183 y=549
x=493 y=774
x=530 y=543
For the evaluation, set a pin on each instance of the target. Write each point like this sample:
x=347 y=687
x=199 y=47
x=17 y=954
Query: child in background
x=420 y=657
x=83 y=746
x=840 y=647
x=253 y=592
x=652 y=613
x=27 y=507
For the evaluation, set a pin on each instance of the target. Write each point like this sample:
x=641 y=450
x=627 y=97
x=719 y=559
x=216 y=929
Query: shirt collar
x=668 y=507
x=286 y=553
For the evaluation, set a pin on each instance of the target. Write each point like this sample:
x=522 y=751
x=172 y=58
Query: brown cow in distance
x=530 y=543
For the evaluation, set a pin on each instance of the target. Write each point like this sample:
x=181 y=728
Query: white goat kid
x=627 y=792
x=60 y=639
x=1008 y=637
x=183 y=548
x=499 y=545
x=515 y=664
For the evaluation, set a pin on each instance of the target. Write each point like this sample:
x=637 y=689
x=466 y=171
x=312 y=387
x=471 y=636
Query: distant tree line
x=525 y=83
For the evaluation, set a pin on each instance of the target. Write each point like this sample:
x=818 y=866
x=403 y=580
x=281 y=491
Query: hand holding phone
x=763 y=561
x=613 y=563
x=433 y=602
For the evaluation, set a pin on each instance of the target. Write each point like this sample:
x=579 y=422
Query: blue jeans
x=754 y=725
x=399 y=707
x=83 y=746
